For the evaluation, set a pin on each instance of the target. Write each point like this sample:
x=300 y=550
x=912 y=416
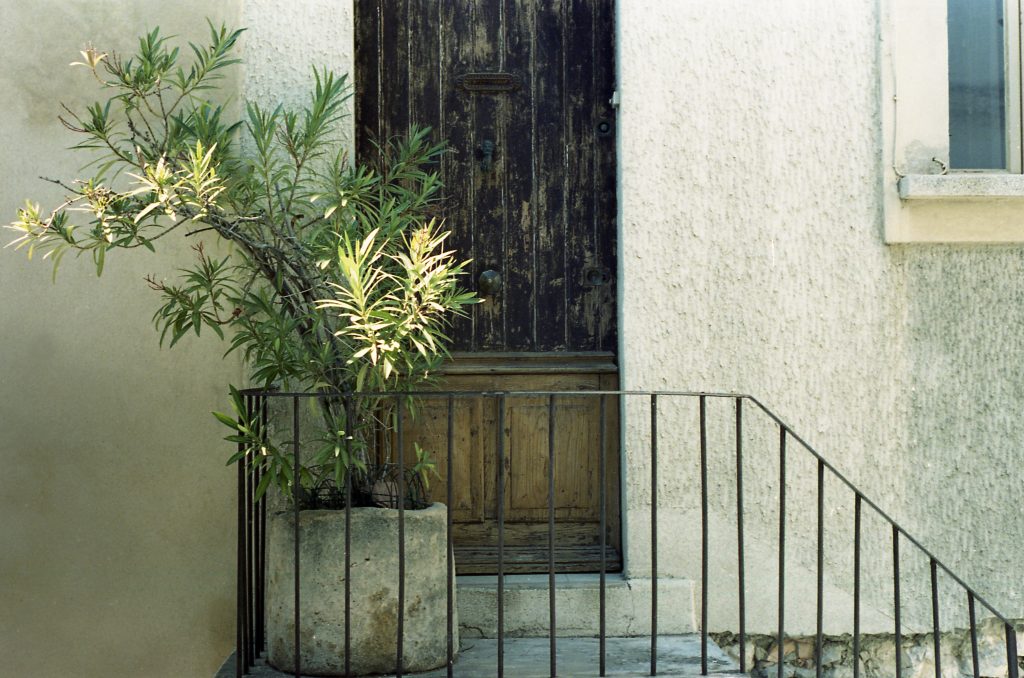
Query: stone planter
x=374 y=603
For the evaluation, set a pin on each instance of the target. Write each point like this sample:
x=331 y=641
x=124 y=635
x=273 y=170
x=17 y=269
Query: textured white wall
x=285 y=41
x=752 y=259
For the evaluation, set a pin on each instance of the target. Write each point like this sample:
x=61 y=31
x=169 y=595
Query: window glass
x=977 y=84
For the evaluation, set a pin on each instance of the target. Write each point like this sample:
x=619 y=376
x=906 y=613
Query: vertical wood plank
x=489 y=198
x=527 y=452
x=604 y=193
x=520 y=297
x=488 y=428
x=394 y=48
x=610 y=382
x=427 y=426
x=576 y=458
x=425 y=68
x=549 y=162
x=576 y=466
x=456 y=41
x=368 y=65
x=580 y=115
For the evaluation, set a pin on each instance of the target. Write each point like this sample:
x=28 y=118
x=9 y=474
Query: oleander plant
x=329 y=276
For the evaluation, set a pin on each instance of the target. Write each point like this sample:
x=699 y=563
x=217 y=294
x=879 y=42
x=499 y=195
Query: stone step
x=526 y=612
x=678 y=657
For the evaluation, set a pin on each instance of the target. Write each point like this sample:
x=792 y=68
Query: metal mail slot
x=488 y=83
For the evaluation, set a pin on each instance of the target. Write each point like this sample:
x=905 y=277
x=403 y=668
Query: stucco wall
x=753 y=259
x=116 y=542
x=284 y=41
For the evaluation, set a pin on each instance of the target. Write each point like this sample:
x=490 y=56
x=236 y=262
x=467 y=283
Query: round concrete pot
x=374 y=585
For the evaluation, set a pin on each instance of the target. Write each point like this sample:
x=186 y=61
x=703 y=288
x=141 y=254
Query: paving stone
x=678 y=657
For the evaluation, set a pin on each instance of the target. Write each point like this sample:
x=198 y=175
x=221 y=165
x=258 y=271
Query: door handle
x=489 y=283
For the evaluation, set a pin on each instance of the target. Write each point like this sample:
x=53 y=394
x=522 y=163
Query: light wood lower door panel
x=526 y=439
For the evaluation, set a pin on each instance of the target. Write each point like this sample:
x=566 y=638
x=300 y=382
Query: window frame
x=924 y=200
x=1013 y=67
x=1012 y=93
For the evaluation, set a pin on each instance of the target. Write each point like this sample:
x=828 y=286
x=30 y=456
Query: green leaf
x=149 y=208
x=261 y=489
x=226 y=420
x=237 y=456
x=99 y=256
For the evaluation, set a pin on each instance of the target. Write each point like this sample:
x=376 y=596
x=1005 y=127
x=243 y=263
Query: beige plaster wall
x=753 y=259
x=117 y=543
x=117 y=530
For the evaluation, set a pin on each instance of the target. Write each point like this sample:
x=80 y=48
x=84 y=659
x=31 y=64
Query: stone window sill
x=964 y=186
x=955 y=208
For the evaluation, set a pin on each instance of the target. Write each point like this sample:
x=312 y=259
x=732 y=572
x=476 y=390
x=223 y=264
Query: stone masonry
x=878 y=654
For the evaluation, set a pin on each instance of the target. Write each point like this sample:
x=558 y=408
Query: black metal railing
x=252 y=533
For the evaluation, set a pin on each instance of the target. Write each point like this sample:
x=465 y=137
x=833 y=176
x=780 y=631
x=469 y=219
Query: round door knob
x=489 y=283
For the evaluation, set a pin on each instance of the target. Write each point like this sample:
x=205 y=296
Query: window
x=951 y=120
x=984 y=85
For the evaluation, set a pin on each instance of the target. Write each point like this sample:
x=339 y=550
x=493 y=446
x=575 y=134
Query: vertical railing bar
x=256 y=617
x=551 y=535
x=819 y=640
x=399 y=460
x=296 y=482
x=896 y=599
x=250 y=659
x=782 y=548
x=974 y=634
x=1012 y=663
x=264 y=428
x=261 y=542
x=250 y=534
x=856 y=585
x=349 y=433
x=703 y=537
x=602 y=441
x=450 y=498
x=500 y=499
x=654 y=534
x=241 y=653
x=739 y=536
x=935 y=618
x=257 y=640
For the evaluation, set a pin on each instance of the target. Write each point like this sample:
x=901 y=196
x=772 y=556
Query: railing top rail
x=274 y=393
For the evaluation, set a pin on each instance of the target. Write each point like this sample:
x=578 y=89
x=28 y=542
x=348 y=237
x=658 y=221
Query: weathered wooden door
x=521 y=91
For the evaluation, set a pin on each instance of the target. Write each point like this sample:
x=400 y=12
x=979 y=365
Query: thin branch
x=201 y=230
x=63 y=185
x=144 y=98
x=164 y=115
x=137 y=134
